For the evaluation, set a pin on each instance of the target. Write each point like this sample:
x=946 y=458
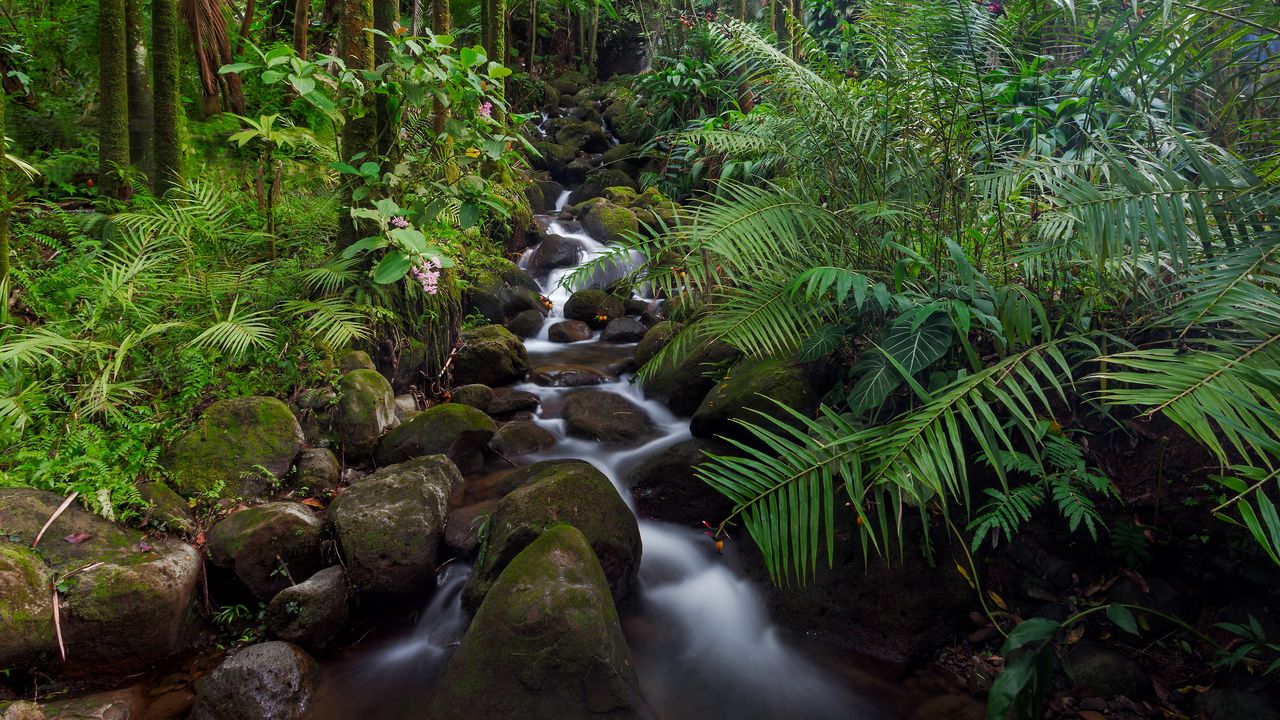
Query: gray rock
x=318 y=469
x=664 y=486
x=607 y=417
x=526 y=324
x=521 y=437
x=555 y=251
x=310 y=614
x=569 y=331
x=1106 y=671
x=275 y=680
x=462 y=529
x=593 y=307
x=477 y=396
x=507 y=402
x=567 y=376
x=388 y=524
x=266 y=545
x=490 y=355
x=366 y=410
x=624 y=330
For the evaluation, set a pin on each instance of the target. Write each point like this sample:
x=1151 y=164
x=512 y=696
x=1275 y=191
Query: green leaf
x=271 y=77
x=1120 y=615
x=236 y=67
x=359 y=246
x=468 y=214
x=244 y=137
x=1030 y=631
x=303 y=85
x=411 y=239
x=394 y=265
x=387 y=208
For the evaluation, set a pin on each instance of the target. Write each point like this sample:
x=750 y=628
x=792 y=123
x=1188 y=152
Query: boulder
x=366 y=410
x=388 y=524
x=568 y=331
x=526 y=323
x=570 y=82
x=268 y=547
x=521 y=437
x=310 y=614
x=577 y=170
x=555 y=251
x=585 y=112
x=475 y=395
x=167 y=511
x=406 y=406
x=123 y=609
x=552 y=157
x=751 y=388
x=1228 y=704
x=1106 y=672
x=567 y=376
x=313 y=407
x=624 y=330
x=318 y=470
x=659 y=336
x=544 y=644
x=605 y=416
x=593 y=307
x=276 y=680
x=619 y=154
x=452 y=429
x=683 y=383
x=508 y=402
x=355 y=360
x=560 y=492
x=490 y=355
x=583 y=135
x=598 y=180
x=499 y=293
x=608 y=223
x=664 y=486
x=462 y=530
x=228 y=445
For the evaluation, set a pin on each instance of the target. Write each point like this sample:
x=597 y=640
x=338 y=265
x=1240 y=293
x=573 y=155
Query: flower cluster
x=399 y=222
x=486 y=109
x=427 y=272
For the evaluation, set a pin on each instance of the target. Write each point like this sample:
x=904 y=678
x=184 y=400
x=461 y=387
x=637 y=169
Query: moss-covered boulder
x=311 y=613
x=355 y=360
x=620 y=154
x=268 y=547
x=457 y=431
x=569 y=331
x=490 y=355
x=552 y=157
x=313 y=407
x=228 y=445
x=607 y=417
x=599 y=180
x=167 y=512
x=318 y=470
x=568 y=376
x=751 y=388
x=624 y=330
x=366 y=410
x=521 y=437
x=388 y=524
x=545 y=644
x=526 y=324
x=123 y=609
x=609 y=223
x=462 y=529
x=583 y=135
x=474 y=395
x=508 y=403
x=560 y=492
x=555 y=251
x=1105 y=671
x=276 y=680
x=682 y=383
x=658 y=337
x=570 y=82
x=664 y=485
x=499 y=292
x=593 y=307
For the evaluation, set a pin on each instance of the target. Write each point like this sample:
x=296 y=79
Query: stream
x=700 y=635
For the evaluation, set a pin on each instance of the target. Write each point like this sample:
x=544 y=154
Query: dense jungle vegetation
x=1027 y=254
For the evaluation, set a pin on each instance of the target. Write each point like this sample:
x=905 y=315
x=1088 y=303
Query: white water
x=701 y=637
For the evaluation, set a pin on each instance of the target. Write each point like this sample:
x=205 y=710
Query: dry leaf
x=77 y=538
x=312 y=502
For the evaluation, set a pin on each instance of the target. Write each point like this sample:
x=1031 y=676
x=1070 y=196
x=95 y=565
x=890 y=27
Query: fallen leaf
x=144 y=546
x=77 y=538
x=312 y=502
x=1076 y=633
x=1090 y=715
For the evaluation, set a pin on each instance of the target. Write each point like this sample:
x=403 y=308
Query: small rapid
x=700 y=634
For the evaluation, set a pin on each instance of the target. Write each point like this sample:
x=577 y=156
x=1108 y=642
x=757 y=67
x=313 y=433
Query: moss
x=167 y=149
x=366 y=409
x=590 y=305
x=490 y=355
x=113 y=99
x=752 y=388
x=232 y=438
x=26 y=618
x=621 y=195
x=452 y=429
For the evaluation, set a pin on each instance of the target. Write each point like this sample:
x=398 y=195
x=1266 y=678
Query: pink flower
x=486 y=109
x=427 y=272
x=399 y=222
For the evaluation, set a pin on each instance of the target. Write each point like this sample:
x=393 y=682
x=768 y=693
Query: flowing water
x=701 y=638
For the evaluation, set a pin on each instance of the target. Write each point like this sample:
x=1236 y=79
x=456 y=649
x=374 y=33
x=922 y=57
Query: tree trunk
x=441 y=23
x=595 y=32
x=166 y=102
x=4 y=207
x=386 y=13
x=140 y=122
x=301 y=26
x=533 y=35
x=415 y=23
x=780 y=22
x=355 y=47
x=113 y=100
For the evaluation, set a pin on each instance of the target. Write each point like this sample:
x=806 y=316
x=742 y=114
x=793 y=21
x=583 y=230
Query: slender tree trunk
x=355 y=47
x=301 y=26
x=500 y=50
x=533 y=34
x=780 y=22
x=486 y=26
x=386 y=13
x=140 y=122
x=246 y=20
x=595 y=32
x=113 y=100
x=441 y=23
x=768 y=9
x=166 y=103
x=4 y=204
x=415 y=23
x=797 y=9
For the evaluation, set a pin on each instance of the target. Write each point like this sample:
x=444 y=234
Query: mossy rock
x=570 y=82
x=474 y=395
x=490 y=355
x=500 y=291
x=544 y=645
x=591 y=305
x=750 y=389
x=124 y=608
x=460 y=432
x=167 y=511
x=683 y=384
x=462 y=529
x=311 y=613
x=521 y=437
x=664 y=485
x=355 y=360
x=658 y=337
x=619 y=154
x=526 y=324
x=388 y=524
x=318 y=470
x=608 y=223
x=552 y=157
x=606 y=417
x=268 y=547
x=276 y=680
x=621 y=195
x=560 y=492
x=583 y=135
x=228 y=445
x=598 y=181
x=366 y=410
